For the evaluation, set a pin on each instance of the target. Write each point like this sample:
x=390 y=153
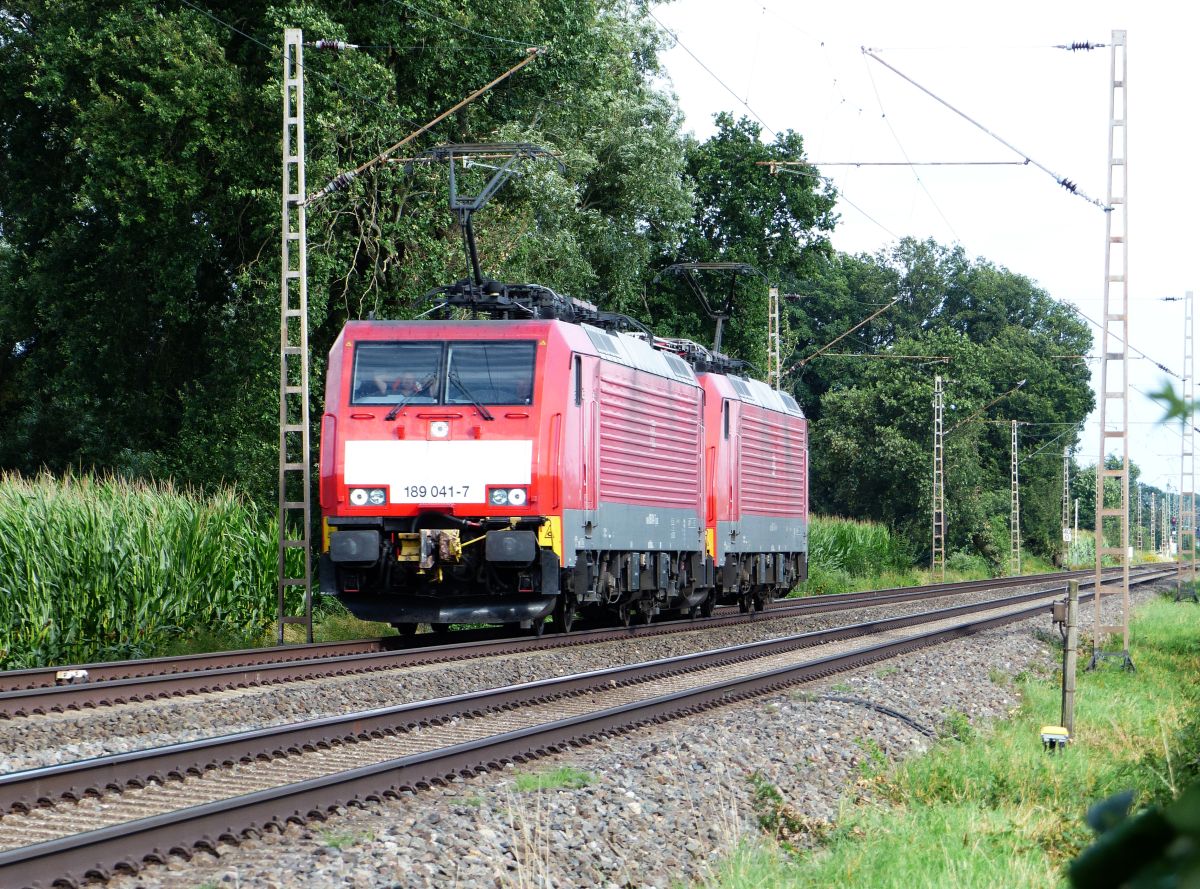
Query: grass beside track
x=991 y=808
x=847 y=555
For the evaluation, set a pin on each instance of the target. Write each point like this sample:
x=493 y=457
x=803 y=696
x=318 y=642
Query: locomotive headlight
x=372 y=496
x=508 y=497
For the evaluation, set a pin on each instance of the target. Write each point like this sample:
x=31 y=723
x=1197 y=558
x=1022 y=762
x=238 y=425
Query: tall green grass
x=842 y=552
x=96 y=568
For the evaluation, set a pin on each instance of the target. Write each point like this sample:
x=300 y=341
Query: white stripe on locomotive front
x=438 y=467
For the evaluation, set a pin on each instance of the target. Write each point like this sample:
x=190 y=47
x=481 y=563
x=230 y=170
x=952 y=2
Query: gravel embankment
x=663 y=806
x=27 y=743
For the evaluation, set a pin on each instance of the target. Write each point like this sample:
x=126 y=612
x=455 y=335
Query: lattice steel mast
x=774 y=342
x=1168 y=523
x=295 y=508
x=1114 y=368
x=1185 y=575
x=1153 y=527
x=1137 y=498
x=938 y=566
x=1066 y=498
x=1014 y=523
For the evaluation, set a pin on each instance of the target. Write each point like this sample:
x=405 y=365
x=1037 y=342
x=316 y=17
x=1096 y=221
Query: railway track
x=66 y=822
x=40 y=691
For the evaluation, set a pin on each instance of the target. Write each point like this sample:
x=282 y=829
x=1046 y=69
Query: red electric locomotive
x=502 y=471
x=757 y=503
x=550 y=460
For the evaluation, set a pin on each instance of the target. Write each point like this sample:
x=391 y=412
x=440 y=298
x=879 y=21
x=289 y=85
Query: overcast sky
x=801 y=67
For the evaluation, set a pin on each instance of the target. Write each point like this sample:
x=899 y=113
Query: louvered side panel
x=773 y=464
x=650 y=432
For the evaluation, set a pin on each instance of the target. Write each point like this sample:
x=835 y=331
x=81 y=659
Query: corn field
x=861 y=549
x=99 y=568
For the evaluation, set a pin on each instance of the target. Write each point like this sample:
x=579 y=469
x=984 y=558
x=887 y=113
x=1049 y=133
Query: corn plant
x=858 y=548
x=95 y=568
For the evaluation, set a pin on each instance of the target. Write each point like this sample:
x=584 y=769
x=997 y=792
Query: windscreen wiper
x=457 y=381
x=423 y=387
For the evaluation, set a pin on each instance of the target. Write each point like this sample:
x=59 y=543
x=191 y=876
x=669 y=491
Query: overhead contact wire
x=782 y=167
x=724 y=85
x=432 y=15
x=767 y=126
x=908 y=160
x=1066 y=183
x=281 y=56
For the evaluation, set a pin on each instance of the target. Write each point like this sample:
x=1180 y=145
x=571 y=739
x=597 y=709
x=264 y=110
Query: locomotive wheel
x=760 y=603
x=744 y=605
x=538 y=628
x=564 y=614
x=708 y=606
x=440 y=629
x=625 y=615
x=406 y=629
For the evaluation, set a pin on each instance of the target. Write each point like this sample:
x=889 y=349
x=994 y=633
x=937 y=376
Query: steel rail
x=50 y=677
x=97 y=851
x=247 y=671
x=74 y=780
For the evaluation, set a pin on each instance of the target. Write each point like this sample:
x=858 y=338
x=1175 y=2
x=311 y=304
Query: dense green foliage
x=983 y=330
x=98 y=569
x=139 y=177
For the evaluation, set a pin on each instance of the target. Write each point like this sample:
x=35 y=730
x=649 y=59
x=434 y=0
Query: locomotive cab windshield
x=450 y=373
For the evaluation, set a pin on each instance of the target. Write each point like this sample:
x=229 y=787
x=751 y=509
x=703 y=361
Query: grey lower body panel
x=625 y=527
x=455 y=610
x=762 y=534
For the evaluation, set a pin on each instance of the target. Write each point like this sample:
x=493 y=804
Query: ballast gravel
x=658 y=807
x=55 y=738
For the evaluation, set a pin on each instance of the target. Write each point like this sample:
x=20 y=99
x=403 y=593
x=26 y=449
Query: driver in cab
x=403 y=386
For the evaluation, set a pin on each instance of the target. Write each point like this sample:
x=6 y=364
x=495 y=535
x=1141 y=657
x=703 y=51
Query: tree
x=139 y=177
x=996 y=329
x=747 y=213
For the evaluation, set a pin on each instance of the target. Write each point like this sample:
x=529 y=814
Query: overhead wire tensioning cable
x=1066 y=183
x=343 y=180
x=831 y=343
x=1132 y=347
